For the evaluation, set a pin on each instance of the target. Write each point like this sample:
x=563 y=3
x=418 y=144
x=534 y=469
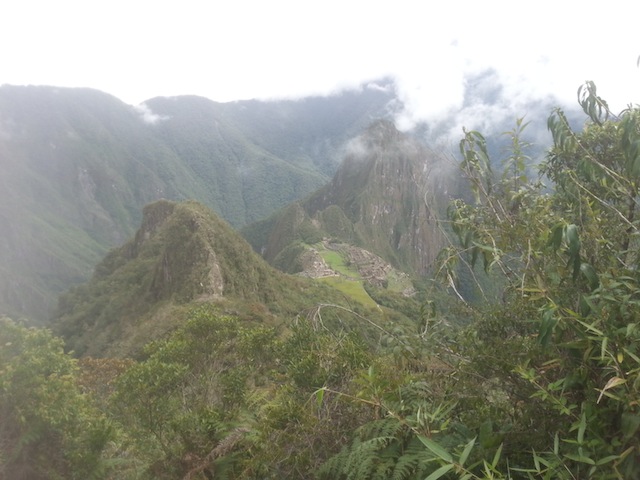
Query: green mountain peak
x=385 y=197
x=182 y=253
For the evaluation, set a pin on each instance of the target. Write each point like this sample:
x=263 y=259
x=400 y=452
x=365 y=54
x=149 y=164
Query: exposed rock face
x=153 y=216
x=387 y=186
x=214 y=287
x=173 y=246
x=385 y=198
x=189 y=266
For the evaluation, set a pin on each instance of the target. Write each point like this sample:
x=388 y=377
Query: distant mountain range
x=77 y=166
x=364 y=237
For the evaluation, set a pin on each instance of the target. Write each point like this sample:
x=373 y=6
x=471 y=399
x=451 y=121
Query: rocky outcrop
x=385 y=198
x=182 y=253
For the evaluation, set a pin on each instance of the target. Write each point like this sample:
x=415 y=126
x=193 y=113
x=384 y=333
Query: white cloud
x=147 y=114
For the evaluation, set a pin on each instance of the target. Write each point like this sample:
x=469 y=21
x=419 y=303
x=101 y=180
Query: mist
x=147 y=114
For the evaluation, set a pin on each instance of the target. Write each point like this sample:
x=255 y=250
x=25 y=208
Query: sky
x=239 y=49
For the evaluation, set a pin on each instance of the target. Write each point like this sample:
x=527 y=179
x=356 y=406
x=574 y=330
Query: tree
x=229 y=398
x=49 y=430
x=570 y=258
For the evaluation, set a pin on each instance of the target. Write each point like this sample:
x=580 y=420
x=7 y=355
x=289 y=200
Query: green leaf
x=496 y=457
x=588 y=326
x=573 y=240
x=607 y=459
x=603 y=347
x=536 y=461
x=467 y=451
x=590 y=275
x=436 y=449
x=582 y=428
x=547 y=325
x=439 y=472
x=630 y=424
x=555 y=240
x=632 y=355
x=581 y=459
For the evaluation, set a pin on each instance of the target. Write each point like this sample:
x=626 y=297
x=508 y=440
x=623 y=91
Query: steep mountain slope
x=78 y=165
x=182 y=254
x=385 y=197
x=242 y=181
x=314 y=128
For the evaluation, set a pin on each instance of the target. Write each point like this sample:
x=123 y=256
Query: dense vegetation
x=542 y=384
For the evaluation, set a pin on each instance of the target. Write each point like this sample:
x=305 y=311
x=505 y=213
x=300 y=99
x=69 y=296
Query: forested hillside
x=182 y=255
x=78 y=165
x=543 y=383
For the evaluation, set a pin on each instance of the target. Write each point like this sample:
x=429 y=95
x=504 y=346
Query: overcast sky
x=233 y=49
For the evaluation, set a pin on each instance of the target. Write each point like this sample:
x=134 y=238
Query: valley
x=78 y=166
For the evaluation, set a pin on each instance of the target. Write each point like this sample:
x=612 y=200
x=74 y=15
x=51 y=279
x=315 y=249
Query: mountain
x=255 y=157
x=385 y=198
x=78 y=165
x=314 y=128
x=183 y=254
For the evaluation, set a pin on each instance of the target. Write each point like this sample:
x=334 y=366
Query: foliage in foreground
x=225 y=398
x=546 y=384
x=48 y=429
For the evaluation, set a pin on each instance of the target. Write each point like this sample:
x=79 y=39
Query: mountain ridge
x=385 y=197
x=182 y=255
x=78 y=165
